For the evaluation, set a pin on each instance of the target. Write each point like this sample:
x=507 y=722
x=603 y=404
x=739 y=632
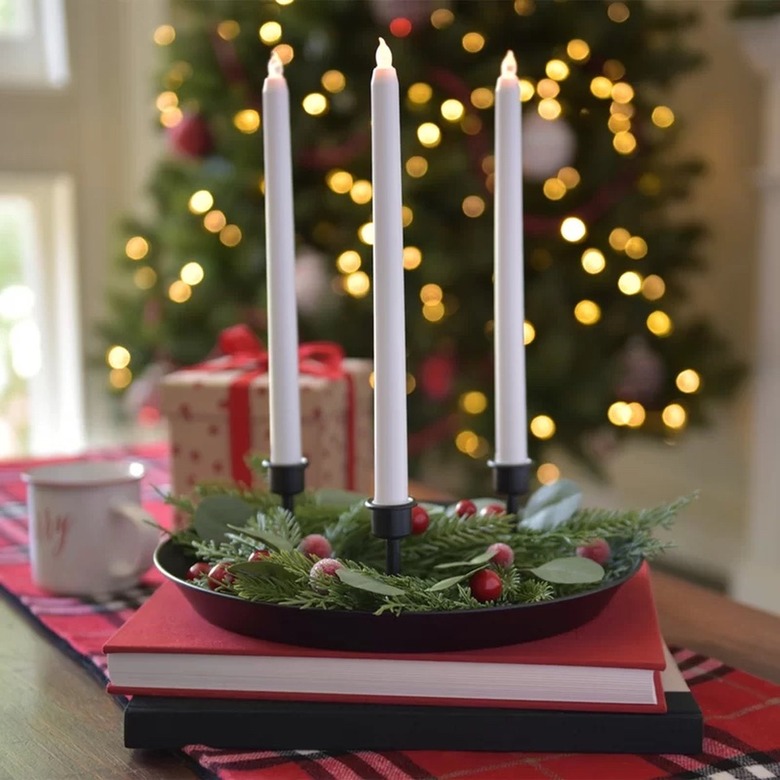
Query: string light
x=482 y=97
x=653 y=287
x=619 y=123
x=471 y=124
x=674 y=416
x=407 y=216
x=230 y=235
x=618 y=12
x=488 y=164
x=473 y=42
x=578 y=50
x=662 y=116
x=164 y=35
x=179 y=291
x=614 y=69
x=315 y=104
x=420 y=93
x=200 y=202
x=118 y=357
x=688 y=381
x=441 y=18
x=357 y=284
x=429 y=134
x=411 y=384
x=452 y=110
x=333 y=81
x=619 y=413
x=339 y=181
x=348 y=262
x=192 y=273
x=214 y=221
x=412 y=258
x=228 y=29
x=366 y=233
x=622 y=92
x=547 y=88
x=171 y=116
x=120 y=378
x=549 y=108
x=601 y=87
x=593 y=261
x=270 y=32
x=659 y=323
x=467 y=441
x=638 y=415
x=569 y=176
x=473 y=402
x=285 y=52
x=524 y=7
x=527 y=90
x=433 y=312
x=618 y=238
x=400 y=27
x=431 y=294
x=166 y=100
x=557 y=69
x=145 y=278
x=624 y=142
x=543 y=427
x=573 y=229
x=529 y=333
x=587 y=312
x=554 y=189
x=247 y=121
x=473 y=206
x=548 y=473
x=636 y=247
x=416 y=166
x=630 y=283
x=361 y=191
x=137 y=248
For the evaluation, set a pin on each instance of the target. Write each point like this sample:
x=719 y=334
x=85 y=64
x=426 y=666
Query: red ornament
x=598 y=550
x=400 y=27
x=420 y=520
x=327 y=567
x=437 y=376
x=485 y=585
x=198 y=569
x=315 y=545
x=191 y=136
x=258 y=555
x=492 y=510
x=465 y=508
x=219 y=575
x=503 y=555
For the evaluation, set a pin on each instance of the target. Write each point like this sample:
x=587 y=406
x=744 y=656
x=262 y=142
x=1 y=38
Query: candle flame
x=275 y=65
x=384 y=57
x=509 y=65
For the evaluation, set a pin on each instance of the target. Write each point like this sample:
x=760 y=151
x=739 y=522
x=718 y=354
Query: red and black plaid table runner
x=742 y=712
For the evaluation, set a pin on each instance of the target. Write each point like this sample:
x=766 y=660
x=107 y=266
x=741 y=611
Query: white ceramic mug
x=88 y=532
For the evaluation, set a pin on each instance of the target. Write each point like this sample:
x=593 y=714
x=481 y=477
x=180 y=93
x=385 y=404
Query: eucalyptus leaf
x=450 y=581
x=215 y=514
x=483 y=557
x=356 y=579
x=551 y=506
x=267 y=537
x=262 y=570
x=570 y=571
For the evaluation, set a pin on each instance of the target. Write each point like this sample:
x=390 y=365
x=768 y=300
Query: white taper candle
x=391 y=468
x=284 y=394
x=510 y=400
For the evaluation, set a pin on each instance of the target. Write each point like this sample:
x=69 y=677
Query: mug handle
x=146 y=538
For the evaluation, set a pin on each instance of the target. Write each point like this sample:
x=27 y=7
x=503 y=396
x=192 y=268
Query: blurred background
x=131 y=232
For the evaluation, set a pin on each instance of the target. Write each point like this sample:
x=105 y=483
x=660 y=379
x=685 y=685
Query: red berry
x=492 y=509
x=503 y=554
x=420 y=520
x=315 y=545
x=197 y=569
x=325 y=567
x=465 y=508
x=598 y=550
x=485 y=585
x=258 y=555
x=219 y=575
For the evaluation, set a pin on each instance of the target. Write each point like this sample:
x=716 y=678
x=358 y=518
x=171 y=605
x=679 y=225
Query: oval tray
x=409 y=632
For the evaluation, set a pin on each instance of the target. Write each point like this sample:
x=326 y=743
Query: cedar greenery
x=436 y=564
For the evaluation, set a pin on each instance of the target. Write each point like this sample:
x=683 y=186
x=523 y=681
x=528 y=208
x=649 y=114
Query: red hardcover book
x=612 y=663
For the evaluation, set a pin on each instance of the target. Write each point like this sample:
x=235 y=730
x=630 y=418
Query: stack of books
x=608 y=686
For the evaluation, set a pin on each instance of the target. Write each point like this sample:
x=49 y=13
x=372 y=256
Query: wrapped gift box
x=218 y=414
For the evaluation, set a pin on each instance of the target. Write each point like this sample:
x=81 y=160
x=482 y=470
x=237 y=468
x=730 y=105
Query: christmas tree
x=611 y=347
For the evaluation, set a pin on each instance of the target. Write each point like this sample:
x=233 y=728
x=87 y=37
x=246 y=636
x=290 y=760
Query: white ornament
x=548 y=146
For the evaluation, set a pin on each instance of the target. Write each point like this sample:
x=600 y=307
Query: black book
x=157 y=722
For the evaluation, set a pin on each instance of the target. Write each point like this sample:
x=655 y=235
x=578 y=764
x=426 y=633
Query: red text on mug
x=55 y=530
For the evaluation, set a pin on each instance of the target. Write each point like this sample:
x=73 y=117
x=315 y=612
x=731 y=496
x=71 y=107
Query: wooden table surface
x=57 y=722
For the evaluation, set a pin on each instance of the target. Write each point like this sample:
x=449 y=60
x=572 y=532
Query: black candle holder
x=512 y=481
x=286 y=480
x=392 y=523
